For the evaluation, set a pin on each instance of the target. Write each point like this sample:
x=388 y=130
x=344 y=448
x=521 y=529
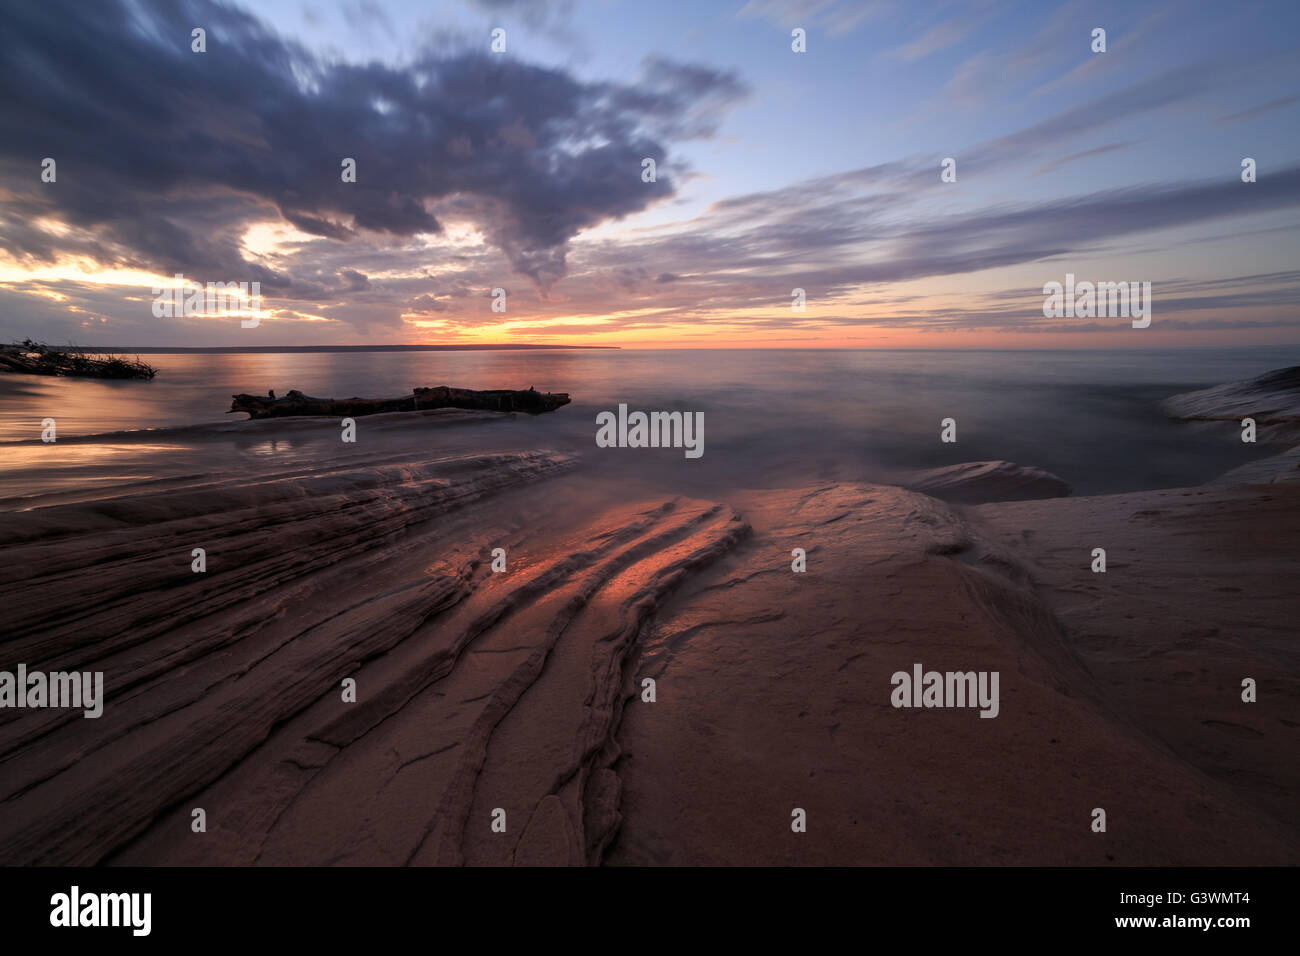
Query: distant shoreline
x=219 y=349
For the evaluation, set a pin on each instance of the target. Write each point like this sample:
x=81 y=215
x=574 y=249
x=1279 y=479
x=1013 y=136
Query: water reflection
x=776 y=415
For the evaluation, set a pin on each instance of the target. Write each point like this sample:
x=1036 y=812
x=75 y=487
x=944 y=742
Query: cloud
x=938 y=37
x=365 y=15
x=1245 y=116
x=535 y=13
x=427 y=304
x=1085 y=154
x=838 y=236
x=835 y=16
x=1146 y=96
x=166 y=156
x=479 y=171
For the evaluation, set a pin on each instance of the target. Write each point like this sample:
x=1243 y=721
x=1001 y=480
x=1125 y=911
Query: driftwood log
x=295 y=402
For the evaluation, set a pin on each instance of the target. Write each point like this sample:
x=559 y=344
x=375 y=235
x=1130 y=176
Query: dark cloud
x=826 y=237
x=165 y=156
x=1025 y=232
x=535 y=13
x=356 y=281
x=426 y=304
x=681 y=99
x=366 y=15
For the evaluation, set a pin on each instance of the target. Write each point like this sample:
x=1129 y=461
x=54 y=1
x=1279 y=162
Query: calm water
x=1091 y=417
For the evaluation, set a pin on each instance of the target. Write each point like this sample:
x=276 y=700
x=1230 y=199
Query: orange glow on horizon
x=649 y=326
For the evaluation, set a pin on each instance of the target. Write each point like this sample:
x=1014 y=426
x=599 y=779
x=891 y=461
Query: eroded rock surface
x=475 y=690
x=981 y=481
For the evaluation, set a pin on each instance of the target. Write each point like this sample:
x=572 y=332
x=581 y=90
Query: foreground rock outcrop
x=1119 y=691
x=500 y=611
x=475 y=690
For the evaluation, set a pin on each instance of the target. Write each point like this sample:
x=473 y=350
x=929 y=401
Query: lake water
x=771 y=416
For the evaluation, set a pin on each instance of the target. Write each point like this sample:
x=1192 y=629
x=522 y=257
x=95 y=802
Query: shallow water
x=771 y=416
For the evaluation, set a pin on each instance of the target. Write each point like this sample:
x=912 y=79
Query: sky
x=523 y=170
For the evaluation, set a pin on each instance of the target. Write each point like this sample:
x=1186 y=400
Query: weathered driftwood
x=295 y=402
x=33 y=358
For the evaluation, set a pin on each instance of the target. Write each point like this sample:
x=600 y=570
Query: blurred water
x=771 y=416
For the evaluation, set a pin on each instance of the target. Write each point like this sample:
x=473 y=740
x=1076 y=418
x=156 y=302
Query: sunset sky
x=523 y=170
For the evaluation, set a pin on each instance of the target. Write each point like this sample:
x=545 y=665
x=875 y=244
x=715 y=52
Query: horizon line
x=524 y=347
x=182 y=349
